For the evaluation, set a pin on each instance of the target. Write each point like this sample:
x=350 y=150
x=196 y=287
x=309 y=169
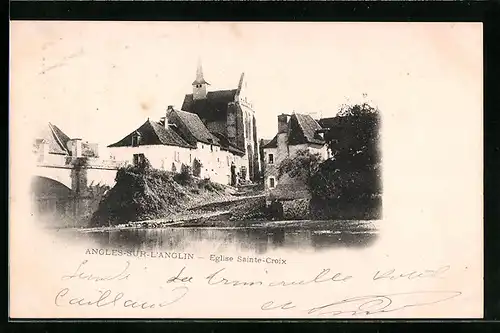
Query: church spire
x=199 y=75
x=199 y=84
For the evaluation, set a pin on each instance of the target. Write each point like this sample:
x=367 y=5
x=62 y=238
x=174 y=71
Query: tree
x=197 y=167
x=354 y=137
x=185 y=177
x=353 y=172
x=303 y=165
x=353 y=140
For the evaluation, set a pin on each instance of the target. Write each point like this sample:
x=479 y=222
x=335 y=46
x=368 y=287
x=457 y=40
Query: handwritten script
x=371 y=304
x=174 y=288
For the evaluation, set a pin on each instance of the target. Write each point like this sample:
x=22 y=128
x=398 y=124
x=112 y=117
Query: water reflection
x=258 y=240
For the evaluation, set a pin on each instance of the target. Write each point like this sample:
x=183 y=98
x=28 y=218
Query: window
x=227 y=158
x=139 y=159
x=271 y=182
x=271 y=158
x=190 y=158
x=243 y=172
x=136 y=139
x=211 y=148
x=177 y=157
x=249 y=124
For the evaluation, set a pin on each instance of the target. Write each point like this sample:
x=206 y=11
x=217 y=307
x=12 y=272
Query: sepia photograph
x=313 y=170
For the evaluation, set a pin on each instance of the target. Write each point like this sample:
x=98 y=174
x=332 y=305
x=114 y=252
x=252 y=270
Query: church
x=214 y=131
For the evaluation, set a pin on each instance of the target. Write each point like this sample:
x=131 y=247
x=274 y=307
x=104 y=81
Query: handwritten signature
x=82 y=275
x=370 y=304
x=355 y=306
x=108 y=298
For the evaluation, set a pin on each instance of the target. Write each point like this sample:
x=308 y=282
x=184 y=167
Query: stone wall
x=57 y=206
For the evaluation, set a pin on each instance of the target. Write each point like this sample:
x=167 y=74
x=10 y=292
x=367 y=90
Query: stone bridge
x=67 y=190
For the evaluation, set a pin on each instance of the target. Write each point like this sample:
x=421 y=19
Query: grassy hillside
x=144 y=193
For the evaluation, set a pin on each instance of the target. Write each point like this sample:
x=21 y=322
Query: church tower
x=199 y=85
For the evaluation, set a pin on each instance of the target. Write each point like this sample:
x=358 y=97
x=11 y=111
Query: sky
x=101 y=80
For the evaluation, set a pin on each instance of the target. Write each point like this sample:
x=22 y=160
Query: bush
x=208 y=185
x=139 y=194
x=145 y=193
x=185 y=177
x=197 y=167
x=275 y=210
x=303 y=165
x=218 y=187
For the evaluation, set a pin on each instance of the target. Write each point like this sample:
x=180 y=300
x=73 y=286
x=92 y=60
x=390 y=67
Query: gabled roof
x=216 y=101
x=153 y=133
x=272 y=143
x=302 y=128
x=264 y=142
x=197 y=131
x=306 y=130
x=57 y=139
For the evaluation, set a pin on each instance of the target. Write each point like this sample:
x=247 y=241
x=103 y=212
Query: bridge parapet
x=69 y=162
x=78 y=173
x=96 y=163
x=52 y=160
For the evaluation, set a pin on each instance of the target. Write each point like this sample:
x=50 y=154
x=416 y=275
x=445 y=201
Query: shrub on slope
x=139 y=194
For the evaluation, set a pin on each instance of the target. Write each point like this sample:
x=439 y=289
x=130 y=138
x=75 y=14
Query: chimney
x=76 y=147
x=170 y=108
x=283 y=123
x=43 y=150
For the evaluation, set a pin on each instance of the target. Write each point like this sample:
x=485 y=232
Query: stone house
x=215 y=128
x=295 y=132
x=53 y=146
x=180 y=138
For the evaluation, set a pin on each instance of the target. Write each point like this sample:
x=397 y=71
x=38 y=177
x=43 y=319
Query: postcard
x=245 y=170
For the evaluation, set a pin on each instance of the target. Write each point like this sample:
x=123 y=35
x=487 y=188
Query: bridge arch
x=51 y=198
x=60 y=175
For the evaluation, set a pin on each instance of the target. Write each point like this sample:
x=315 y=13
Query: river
x=258 y=237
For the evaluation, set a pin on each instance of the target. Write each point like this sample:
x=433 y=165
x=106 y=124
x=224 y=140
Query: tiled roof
x=272 y=143
x=153 y=133
x=193 y=124
x=216 y=101
x=56 y=139
x=303 y=129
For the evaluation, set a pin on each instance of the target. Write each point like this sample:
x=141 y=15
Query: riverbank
x=229 y=210
x=331 y=226
x=147 y=194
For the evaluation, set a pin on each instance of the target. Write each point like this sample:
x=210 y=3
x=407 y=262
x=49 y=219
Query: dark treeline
x=348 y=185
